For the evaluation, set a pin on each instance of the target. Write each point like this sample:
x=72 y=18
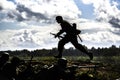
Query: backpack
x=76 y=31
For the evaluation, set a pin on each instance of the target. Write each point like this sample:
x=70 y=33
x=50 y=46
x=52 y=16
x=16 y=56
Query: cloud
x=94 y=32
x=27 y=23
x=101 y=28
x=37 y=37
x=115 y=22
x=33 y=38
x=106 y=11
x=29 y=13
x=1 y=8
x=52 y=7
x=7 y=5
x=38 y=10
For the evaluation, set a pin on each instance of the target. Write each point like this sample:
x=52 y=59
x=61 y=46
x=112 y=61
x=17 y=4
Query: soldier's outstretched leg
x=81 y=48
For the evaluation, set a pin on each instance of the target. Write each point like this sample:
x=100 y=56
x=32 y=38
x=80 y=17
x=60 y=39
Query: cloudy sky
x=26 y=24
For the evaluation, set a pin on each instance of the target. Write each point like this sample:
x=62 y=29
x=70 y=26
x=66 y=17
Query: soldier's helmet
x=5 y=56
x=59 y=19
x=62 y=62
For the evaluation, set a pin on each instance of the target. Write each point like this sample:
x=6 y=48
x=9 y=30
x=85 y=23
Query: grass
x=109 y=66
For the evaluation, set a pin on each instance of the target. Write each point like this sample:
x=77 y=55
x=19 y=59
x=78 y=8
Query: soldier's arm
x=58 y=34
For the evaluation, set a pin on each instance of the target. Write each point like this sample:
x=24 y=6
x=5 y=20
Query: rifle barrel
x=55 y=34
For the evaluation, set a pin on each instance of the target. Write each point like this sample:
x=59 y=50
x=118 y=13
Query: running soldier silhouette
x=71 y=36
x=9 y=71
x=3 y=59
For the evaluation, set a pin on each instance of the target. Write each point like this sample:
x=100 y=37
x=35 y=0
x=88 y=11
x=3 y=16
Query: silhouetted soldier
x=28 y=72
x=9 y=70
x=57 y=72
x=71 y=36
x=3 y=59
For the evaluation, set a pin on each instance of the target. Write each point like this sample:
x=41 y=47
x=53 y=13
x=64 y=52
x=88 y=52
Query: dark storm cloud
x=22 y=10
x=117 y=32
x=115 y=22
x=1 y=8
x=15 y=15
x=107 y=11
x=30 y=14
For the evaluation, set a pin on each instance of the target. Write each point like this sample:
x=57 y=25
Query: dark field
x=100 y=68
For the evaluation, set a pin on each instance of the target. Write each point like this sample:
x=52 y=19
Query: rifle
x=58 y=36
x=63 y=37
x=80 y=38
